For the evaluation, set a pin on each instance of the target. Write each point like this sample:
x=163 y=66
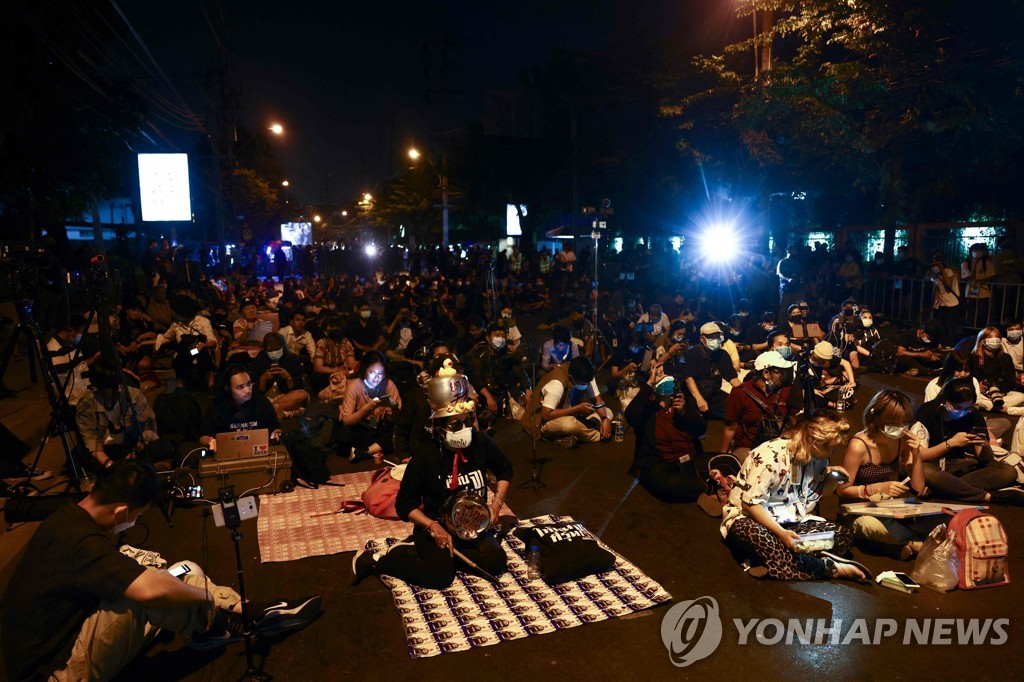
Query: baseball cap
x=710 y=329
x=771 y=358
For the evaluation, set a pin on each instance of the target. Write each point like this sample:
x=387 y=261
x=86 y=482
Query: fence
x=910 y=301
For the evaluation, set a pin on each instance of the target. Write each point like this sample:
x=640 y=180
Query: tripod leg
x=8 y=354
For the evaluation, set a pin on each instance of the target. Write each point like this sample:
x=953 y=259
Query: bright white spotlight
x=719 y=243
x=371 y=250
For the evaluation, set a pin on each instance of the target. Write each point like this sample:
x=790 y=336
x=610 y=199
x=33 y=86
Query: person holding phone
x=951 y=429
x=568 y=407
x=366 y=413
x=880 y=460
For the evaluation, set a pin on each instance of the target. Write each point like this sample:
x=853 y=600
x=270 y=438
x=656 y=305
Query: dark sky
x=356 y=83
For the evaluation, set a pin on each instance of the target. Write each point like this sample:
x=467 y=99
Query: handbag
x=379 y=497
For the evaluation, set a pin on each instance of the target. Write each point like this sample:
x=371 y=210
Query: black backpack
x=312 y=443
x=883 y=357
x=178 y=416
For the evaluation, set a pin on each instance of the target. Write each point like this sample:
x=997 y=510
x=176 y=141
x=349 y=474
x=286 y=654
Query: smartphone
x=179 y=571
x=598 y=406
x=980 y=433
x=385 y=401
x=838 y=476
x=906 y=580
x=905 y=481
x=194 y=351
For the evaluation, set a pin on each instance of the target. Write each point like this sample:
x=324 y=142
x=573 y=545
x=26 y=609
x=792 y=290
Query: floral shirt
x=334 y=353
x=767 y=478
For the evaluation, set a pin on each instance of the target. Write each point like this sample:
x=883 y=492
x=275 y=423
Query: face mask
x=890 y=431
x=506 y=316
x=122 y=527
x=770 y=386
x=498 y=344
x=678 y=339
x=459 y=439
x=1014 y=335
x=867 y=322
x=743 y=313
x=993 y=343
x=784 y=351
x=77 y=340
x=581 y=387
x=714 y=344
x=953 y=415
x=365 y=314
x=925 y=339
x=275 y=355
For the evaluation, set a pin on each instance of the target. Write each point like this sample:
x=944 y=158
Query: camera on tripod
x=232 y=511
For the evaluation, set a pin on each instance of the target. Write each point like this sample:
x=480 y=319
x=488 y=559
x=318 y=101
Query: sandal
x=302 y=483
x=866 y=577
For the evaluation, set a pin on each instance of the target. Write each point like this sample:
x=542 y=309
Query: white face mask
x=122 y=527
x=890 y=431
x=275 y=355
x=460 y=439
x=867 y=322
x=993 y=343
x=1014 y=335
x=498 y=344
x=365 y=314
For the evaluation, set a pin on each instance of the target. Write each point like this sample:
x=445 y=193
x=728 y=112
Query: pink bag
x=981 y=545
x=379 y=497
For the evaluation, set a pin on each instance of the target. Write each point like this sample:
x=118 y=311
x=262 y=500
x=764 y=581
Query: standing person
x=977 y=272
x=773 y=501
x=760 y=408
x=459 y=462
x=879 y=459
x=946 y=298
x=366 y=414
x=707 y=366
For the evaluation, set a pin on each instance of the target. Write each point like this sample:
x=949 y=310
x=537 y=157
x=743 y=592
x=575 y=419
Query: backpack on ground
x=883 y=357
x=178 y=416
x=982 y=548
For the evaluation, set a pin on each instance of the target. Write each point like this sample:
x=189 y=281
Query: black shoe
x=285 y=616
x=228 y=627
x=836 y=559
x=1012 y=496
x=364 y=564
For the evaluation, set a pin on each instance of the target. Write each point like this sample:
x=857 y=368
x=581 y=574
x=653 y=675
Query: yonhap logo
x=691 y=631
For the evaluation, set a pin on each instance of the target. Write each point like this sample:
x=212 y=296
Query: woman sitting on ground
x=880 y=459
x=994 y=369
x=238 y=408
x=668 y=431
x=956 y=365
x=771 y=504
x=367 y=412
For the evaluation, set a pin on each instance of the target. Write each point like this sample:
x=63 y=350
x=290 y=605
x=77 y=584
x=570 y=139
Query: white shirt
x=295 y=344
x=661 y=324
x=1016 y=352
x=944 y=298
x=931 y=392
x=553 y=394
x=198 y=325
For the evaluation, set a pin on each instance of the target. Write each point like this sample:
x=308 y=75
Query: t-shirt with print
x=223 y=416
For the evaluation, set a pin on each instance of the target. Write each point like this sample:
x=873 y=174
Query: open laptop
x=243 y=444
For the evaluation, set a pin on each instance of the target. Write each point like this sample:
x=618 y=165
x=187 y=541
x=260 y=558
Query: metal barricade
x=910 y=301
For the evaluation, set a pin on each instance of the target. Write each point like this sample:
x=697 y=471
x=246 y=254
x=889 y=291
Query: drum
x=466 y=515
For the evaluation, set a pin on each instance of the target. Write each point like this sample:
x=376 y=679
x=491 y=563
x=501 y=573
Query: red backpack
x=981 y=546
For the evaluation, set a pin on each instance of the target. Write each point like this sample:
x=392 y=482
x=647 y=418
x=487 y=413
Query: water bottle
x=619 y=427
x=533 y=562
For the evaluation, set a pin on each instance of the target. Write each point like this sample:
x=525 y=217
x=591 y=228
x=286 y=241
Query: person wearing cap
x=668 y=430
x=707 y=366
x=825 y=355
x=759 y=408
x=566 y=407
x=459 y=461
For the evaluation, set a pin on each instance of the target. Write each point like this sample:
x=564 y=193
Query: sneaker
x=228 y=627
x=364 y=564
x=285 y=616
x=568 y=442
x=1012 y=496
x=25 y=472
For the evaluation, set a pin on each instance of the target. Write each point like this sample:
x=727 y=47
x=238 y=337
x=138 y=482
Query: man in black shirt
x=707 y=365
x=365 y=331
x=278 y=376
x=917 y=350
x=77 y=608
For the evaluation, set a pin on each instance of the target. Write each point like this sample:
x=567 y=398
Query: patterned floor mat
x=474 y=612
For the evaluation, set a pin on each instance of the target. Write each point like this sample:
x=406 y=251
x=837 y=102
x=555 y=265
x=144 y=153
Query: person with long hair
x=956 y=365
x=880 y=459
x=366 y=414
x=993 y=368
x=773 y=501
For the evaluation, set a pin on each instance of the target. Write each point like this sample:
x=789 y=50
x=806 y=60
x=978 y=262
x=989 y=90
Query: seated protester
x=366 y=414
x=760 y=408
x=246 y=335
x=755 y=334
x=732 y=349
x=136 y=337
x=627 y=364
x=400 y=334
x=654 y=316
x=1013 y=347
x=333 y=355
x=559 y=349
x=778 y=341
x=103 y=607
x=458 y=462
x=470 y=335
x=707 y=366
x=801 y=329
x=842 y=332
x=958 y=460
x=299 y=341
x=879 y=459
x=614 y=327
x=569 y=406
x=841 y=374
x=773 y=502
x=917 y=350
x=956 y=365
x=865 y=335
x=737 y=334
x=994 y=370
x=278 y=375
x=70 y=361
x=497 y=375
x=364 y=330
x=159 y=308
x=412 y=422
x=107 y=424
x=238 y=408
x=668 y=431
x=193 y=341
x=670 y=350
x=513 y=337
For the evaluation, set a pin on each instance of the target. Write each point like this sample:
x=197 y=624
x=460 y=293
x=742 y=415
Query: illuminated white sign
x=163 y=186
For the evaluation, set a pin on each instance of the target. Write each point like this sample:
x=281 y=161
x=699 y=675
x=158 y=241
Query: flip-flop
x=868 y=576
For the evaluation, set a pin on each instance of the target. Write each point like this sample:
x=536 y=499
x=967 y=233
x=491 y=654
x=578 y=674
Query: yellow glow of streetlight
x=277 y=129
x=367 y=197
x=316 y=219
x=414 y=154
x=344 y=213
x=285 y=183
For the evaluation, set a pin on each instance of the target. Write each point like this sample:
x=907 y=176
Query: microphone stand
x=534 y=480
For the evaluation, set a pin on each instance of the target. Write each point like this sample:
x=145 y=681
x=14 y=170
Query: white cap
x=772 y=358
x=825 y=350
x=710 y=329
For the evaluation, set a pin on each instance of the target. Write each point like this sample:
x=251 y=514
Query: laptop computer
x=243 y=444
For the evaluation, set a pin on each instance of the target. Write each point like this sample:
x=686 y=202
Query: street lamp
x=415 y=155
x=285 y=183
x=344 y=214
x=367 y=197
x=276 y=128
x=316 y=218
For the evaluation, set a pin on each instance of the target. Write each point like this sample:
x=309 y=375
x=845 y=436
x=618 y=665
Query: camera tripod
x=535 y=463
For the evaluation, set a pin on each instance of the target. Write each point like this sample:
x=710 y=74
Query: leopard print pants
x=753 y=540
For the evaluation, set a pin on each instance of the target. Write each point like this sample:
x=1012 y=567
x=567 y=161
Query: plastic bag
x=937 y=566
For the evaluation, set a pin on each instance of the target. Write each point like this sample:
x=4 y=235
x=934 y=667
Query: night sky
x=356 y=83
